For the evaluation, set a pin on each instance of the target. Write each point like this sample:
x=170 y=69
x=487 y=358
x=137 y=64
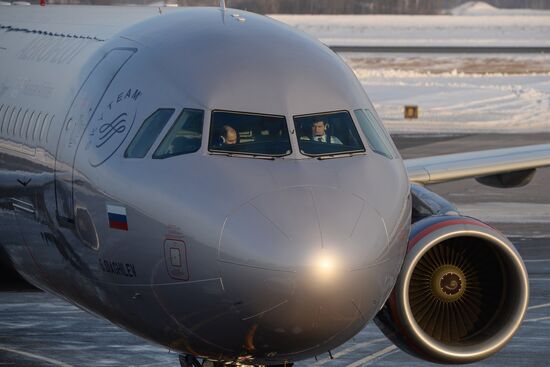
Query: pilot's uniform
x=324 y=138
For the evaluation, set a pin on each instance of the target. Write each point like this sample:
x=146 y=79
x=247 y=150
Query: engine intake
x=461 y=295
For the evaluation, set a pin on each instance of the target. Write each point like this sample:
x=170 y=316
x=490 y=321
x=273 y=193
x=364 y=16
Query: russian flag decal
x=117 y=217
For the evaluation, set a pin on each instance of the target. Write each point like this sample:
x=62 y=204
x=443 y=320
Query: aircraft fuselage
x=228 y=256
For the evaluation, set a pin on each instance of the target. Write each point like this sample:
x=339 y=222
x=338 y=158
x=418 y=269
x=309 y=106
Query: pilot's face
x=318 y=128
x=231 y=137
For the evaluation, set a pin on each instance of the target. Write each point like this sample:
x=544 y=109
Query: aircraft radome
x=219 y=183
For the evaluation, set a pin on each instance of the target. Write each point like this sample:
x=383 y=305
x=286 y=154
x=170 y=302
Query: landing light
x=325 y=266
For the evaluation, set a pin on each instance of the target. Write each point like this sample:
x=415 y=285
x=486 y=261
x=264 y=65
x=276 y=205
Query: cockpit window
x=249 y=134
x=327 y=134
x=378 y=140
x=148 y=133
x=184 y=137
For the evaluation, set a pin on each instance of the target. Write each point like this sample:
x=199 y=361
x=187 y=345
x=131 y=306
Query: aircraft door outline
x=80 y=114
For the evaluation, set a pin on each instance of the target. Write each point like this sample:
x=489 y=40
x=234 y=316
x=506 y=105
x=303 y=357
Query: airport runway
x=37 y=329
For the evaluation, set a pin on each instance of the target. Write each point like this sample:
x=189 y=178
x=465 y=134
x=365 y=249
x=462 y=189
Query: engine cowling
x=461 y=295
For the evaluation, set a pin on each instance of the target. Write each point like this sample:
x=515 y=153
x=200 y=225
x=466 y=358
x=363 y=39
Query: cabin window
x=249 y=134
x=47 y=131
x=43 y=128
x=38 y=126
x=327 y=134
x=24 y=123
x=184 y=137
x=3 y=110
x=148 y=133
x=17 y=118
x=32 y=121
x=6 y=120
x=378 y=140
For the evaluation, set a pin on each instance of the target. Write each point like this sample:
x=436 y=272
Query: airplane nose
x=302 y=264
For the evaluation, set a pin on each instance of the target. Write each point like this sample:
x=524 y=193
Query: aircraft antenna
x=222 y=4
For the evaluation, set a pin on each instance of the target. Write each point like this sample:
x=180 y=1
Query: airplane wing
x=508 y=167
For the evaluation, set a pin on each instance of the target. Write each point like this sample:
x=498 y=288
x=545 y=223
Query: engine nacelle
x=461 y=295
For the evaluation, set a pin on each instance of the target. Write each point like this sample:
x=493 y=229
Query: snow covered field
x=458 y=93
x=455 y=93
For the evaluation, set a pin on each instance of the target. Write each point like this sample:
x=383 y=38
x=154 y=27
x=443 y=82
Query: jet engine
x=462 y=292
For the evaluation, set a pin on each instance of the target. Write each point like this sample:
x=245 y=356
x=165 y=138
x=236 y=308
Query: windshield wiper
x=340 y=155
x=241 y=155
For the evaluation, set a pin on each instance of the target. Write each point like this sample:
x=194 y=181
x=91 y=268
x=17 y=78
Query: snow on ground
x=458 y=93
x=502 y=28
x=484 y=9
x=475 y=8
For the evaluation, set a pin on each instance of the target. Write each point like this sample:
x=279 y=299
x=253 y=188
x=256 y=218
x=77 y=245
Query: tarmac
x=37 y=329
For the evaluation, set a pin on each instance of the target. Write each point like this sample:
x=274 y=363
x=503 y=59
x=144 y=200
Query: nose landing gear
x=191 y=361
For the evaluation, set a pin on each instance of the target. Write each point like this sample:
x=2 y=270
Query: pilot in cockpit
x=229 y=136
x=319 y=132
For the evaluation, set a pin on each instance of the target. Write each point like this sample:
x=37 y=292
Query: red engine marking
x=440 y=225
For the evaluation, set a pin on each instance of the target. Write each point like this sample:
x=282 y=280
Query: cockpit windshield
x=249 y=134
x=329 y=133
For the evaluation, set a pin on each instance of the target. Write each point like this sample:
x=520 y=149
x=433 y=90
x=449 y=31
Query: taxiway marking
x=35 y=356
x=538 y=319
x=370 y=357
x=154 y=364
x=539 y=306
x=537 y=261
x=349 y=350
